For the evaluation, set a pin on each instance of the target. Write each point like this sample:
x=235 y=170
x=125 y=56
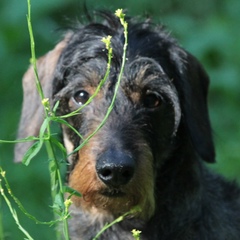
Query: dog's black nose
x=115 y=168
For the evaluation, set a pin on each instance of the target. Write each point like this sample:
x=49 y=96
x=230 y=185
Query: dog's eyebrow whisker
x=177 y=117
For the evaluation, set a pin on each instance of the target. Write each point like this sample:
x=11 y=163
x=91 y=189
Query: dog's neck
x=85 y=225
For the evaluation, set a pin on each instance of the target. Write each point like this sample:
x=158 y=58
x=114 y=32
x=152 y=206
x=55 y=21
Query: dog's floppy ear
x=32 y=109
x=192 y=85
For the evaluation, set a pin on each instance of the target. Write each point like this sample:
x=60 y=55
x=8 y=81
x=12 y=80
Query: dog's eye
x=152 y=100
x=81 y=97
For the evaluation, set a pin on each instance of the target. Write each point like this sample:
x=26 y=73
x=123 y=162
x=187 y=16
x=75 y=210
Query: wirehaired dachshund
x=152 y=150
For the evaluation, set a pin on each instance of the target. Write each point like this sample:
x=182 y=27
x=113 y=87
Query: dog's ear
x=32 y=109
x=192 y=84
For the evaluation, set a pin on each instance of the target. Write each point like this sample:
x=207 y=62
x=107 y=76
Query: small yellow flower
x=107 y=41
x=45 y=102
x=68 y=203
x=119 y=13
x=136 y=234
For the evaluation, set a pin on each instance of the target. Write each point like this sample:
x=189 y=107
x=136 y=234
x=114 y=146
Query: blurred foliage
x=208 y=29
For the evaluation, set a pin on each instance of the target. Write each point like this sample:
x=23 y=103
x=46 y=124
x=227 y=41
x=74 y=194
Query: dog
x=152 y=150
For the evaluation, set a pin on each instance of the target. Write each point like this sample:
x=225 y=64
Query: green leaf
x=44 y=127
x=72 y=191
x=32 y=152
x=58 y=205
x=55 y=107
x=59 y=120
x=22 y=140
x=59 y=145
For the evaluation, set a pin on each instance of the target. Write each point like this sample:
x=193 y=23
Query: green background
x=209 y=29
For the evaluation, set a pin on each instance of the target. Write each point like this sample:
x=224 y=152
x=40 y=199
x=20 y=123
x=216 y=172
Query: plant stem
x=117 y=220
x=54 y=169
x=56 y=181
x=12 y=210
x=33 y=54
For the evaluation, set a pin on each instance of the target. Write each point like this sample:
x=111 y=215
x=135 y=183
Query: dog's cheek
x=83 y=177
x=144 y=183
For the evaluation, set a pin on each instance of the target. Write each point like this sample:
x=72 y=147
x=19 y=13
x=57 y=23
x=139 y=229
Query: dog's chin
x=114 y=202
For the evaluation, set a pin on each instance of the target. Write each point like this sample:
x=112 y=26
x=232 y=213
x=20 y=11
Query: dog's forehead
x=84 y=61
x=86 y=49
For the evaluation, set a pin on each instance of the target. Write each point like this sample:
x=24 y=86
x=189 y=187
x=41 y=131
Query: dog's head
x=160 y=106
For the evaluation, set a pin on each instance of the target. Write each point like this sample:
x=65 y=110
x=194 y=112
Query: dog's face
x=162 y=92
x=115 y=169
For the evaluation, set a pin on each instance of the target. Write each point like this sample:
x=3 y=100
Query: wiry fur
x=159 y=123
